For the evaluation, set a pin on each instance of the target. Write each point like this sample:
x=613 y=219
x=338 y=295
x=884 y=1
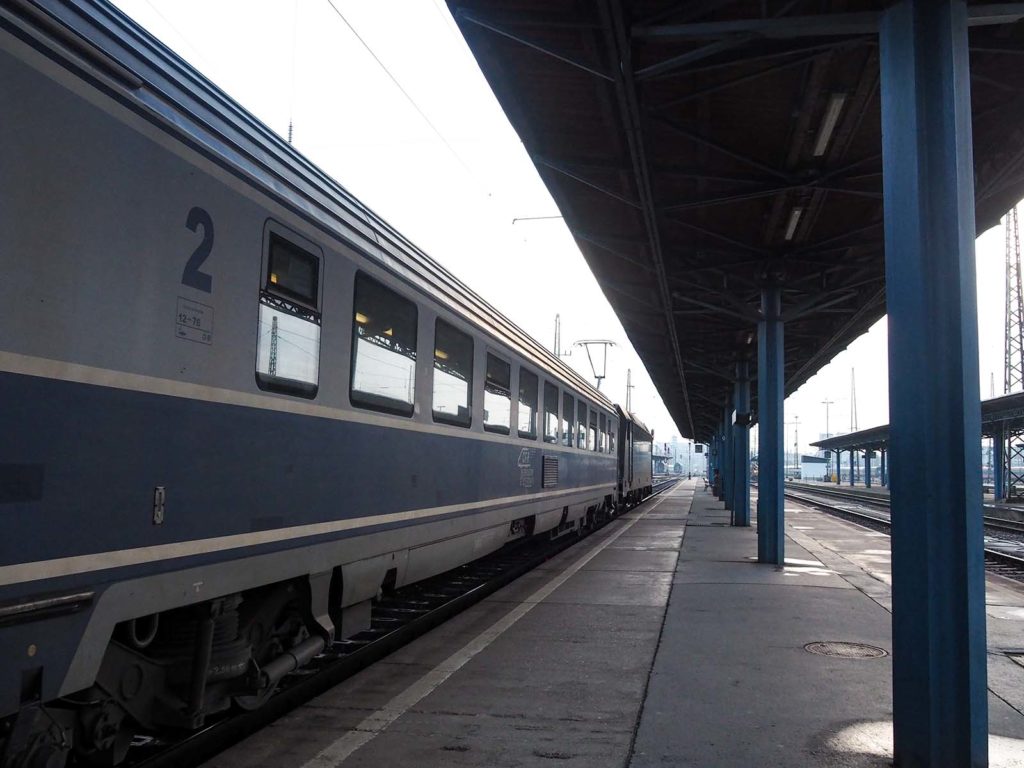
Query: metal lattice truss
x=1014 y=467
x=1014 y=349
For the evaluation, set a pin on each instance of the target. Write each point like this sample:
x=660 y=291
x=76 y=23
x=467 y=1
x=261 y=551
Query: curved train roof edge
x=145 y=75
x=629 y=415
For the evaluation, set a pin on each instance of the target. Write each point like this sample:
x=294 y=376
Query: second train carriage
x=635 y=480
x=239 y=404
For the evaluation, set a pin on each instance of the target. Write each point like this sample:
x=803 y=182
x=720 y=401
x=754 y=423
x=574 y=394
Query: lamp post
x=826 y=402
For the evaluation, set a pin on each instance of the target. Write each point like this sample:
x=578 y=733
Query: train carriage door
x=629 y=453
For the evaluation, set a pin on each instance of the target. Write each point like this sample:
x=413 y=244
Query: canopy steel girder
x=677 y=161
x=611 y=12
x=865 y=23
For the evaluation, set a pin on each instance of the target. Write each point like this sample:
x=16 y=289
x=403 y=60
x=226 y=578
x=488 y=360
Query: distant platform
x=657 y=641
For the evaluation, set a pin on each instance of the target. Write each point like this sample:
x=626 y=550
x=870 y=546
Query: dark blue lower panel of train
x=81 y=463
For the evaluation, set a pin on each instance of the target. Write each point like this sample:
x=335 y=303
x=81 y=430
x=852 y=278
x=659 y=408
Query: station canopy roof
x=1006 y=412
x=698 y=148
x=865 y=439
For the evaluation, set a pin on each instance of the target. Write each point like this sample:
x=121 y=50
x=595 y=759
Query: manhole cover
x=845 y=650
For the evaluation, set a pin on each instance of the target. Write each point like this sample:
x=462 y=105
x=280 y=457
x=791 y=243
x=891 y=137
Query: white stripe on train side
x=68 y=566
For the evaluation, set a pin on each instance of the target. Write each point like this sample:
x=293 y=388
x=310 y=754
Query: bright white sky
x=457 y=197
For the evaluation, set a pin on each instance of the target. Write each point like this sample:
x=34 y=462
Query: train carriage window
x=611 y=435
x=581 y=424
x=603 y=434
x=568 y=411
x=497 y=395
x=592 y=432
x=527 y=404
x=288 y=338
x=383 y=349
x=453 y=375
x=550 y=412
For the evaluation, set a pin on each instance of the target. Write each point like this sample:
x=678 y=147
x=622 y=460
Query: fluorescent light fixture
x=794 y=219
x=828 y=123
x=361 y=318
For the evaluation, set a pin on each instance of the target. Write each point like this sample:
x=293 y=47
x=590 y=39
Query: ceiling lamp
x=828 y=123
x=794 y=220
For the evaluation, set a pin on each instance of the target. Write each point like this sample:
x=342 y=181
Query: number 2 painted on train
x=193 y=277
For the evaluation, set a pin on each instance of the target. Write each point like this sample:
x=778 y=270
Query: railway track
x=396 y=619
x=994 y=522
x=1001 y=556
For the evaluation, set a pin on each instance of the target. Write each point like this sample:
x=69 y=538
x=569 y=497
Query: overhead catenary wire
x=449 y=24
x=198 y=54
x=398 y=85
x=291 y=91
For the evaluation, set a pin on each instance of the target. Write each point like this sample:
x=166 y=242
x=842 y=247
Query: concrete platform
x=656 y=642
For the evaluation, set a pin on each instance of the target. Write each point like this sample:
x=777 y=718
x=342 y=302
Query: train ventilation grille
x=549 y=477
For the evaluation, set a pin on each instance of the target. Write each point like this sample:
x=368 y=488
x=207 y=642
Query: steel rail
x=1003 y=563
x=992 y=521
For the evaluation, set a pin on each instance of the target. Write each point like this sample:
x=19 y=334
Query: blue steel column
x=853 y=467
x=720 y=463
x=867 y=468
x=884 y=477
x=714 y=458
x=940 y=713
x=771 y=435
x=720 y=459
x=999 y=463
x=723 y=460
x=741 y=446
x=710 y=458
x=839 y=467
x=728 y=483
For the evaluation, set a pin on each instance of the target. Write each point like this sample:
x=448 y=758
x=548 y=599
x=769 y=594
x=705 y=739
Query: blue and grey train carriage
x=236 y=403
x=635 y=456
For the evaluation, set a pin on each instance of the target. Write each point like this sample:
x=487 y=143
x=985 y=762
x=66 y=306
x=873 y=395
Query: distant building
x=813 y=468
